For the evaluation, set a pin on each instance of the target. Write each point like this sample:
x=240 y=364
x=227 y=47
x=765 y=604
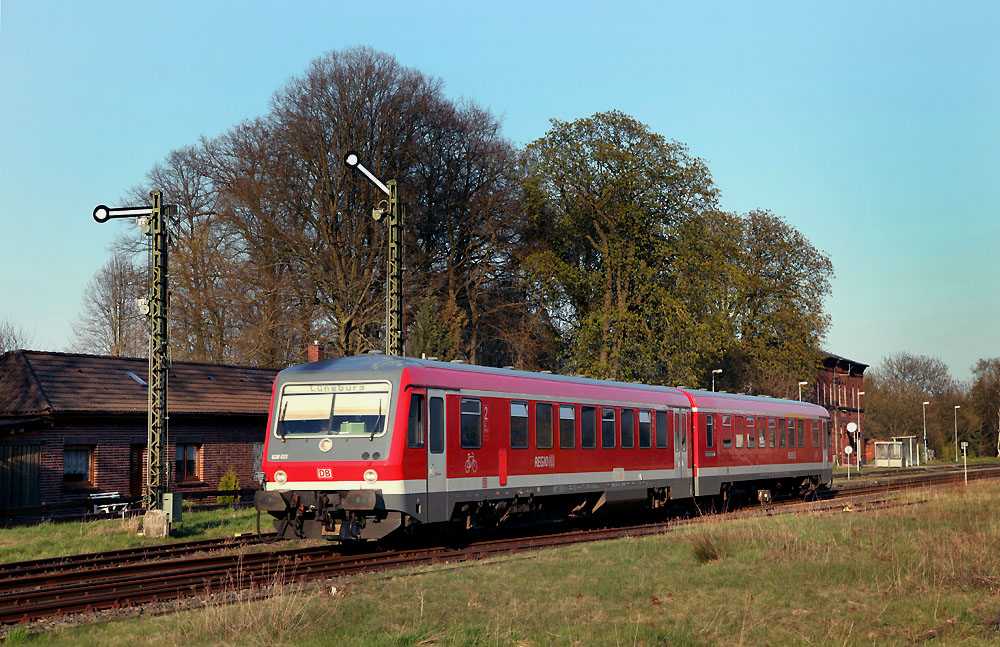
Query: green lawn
x=847 y=578
x=56 y=539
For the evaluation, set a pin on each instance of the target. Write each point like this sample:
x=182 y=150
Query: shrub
x=229 y=481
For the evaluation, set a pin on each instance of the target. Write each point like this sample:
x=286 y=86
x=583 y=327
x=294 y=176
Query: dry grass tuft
x=707 y=549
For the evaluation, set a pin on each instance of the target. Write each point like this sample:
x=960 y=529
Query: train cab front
x=325 y=460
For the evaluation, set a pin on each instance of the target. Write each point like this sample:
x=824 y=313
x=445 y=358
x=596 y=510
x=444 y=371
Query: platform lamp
x=801 y=384
x=714 y=371
x=957 y=407
x=925 y=431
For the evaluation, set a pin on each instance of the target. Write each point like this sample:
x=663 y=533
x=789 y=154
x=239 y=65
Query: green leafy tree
x=608 y=199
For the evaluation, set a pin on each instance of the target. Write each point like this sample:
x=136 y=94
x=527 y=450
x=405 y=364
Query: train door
x=437 y=472
x=681 y=441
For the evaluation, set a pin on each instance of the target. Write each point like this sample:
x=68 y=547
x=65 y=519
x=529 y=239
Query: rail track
x=13 y=571
x=44 y=588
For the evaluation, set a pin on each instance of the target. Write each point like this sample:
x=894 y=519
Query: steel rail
x=17 y=570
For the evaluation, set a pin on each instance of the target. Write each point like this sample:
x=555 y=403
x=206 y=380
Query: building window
x=78 y=465
x=472 y=424
x=186 y=463
x=543 y=425
x=567 y=426
x=518 y=425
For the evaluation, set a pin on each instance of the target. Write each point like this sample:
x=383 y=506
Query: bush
x=229 y=481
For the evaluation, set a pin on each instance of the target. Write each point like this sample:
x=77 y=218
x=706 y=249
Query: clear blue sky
x=872 y=127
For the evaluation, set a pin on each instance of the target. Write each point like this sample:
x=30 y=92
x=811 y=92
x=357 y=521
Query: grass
x=923 y=573
x=56 y=539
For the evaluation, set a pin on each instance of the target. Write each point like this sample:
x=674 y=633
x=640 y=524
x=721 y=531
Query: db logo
x=324 y=473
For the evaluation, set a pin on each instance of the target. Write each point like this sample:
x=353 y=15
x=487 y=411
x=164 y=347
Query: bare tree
x=109 y=322
x=12 y=336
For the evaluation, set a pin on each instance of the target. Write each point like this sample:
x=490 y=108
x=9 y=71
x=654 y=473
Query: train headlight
x=371 y=475
x=280 y=476
x=325 y=445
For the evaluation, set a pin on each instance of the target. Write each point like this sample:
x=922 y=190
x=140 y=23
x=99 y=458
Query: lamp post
x=394 y=209
x=957 y=407
x=925 y=430
x=714 y=371
x=801 y=384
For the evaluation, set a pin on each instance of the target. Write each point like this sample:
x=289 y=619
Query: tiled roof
x=45 y=383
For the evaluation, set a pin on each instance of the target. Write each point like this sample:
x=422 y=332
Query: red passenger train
x=358 y=447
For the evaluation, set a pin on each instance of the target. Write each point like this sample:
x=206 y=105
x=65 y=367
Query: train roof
x=365 y=366
x=711 y=400
x=391 y=367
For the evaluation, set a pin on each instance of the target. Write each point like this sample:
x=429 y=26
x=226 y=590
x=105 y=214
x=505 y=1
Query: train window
x=645 y=429
x=802 y=433
x=543 y=425
x=739 y=434
x=684 y=432
x=749 y=428
x=709 y=436
x=628 y=428
x=416 y=425
x=567 y=426
x=677 y=430
x=518 y=424
x=471 y=433
x=727 y=432
x=436 y=419
x=607 y=427
x=781 y=433
x=588 y=427
x=815 y=433
x=771 y=431
x=662 y=432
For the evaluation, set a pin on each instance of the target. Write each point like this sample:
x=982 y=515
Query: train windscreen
x=340 y=410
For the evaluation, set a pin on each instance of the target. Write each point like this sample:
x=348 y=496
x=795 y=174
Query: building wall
x=839 y=384
x=224 y=442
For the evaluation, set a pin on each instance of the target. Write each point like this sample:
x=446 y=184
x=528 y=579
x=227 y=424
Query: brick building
x=840 y=388
x=73 y=425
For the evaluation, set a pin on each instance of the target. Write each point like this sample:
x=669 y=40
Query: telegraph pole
x=153 y=221
x=392 y=207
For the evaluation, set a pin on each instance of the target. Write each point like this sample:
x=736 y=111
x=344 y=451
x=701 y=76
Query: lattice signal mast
x=153 y=222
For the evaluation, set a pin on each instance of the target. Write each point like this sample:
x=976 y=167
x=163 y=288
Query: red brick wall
x=225 y=442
